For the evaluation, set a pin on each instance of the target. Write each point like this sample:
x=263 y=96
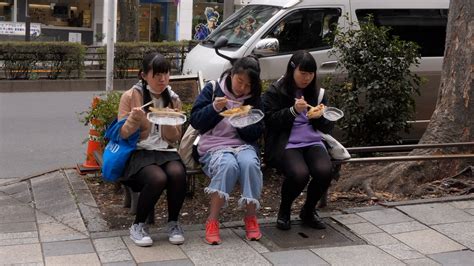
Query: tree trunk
x=128 y=25
x=452 y=120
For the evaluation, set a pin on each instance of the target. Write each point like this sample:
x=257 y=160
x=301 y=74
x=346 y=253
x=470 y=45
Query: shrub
x=377 y=91
x=21 y=58
x=104 y=112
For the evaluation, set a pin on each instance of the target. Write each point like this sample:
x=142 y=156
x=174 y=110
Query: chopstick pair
x=307 y=105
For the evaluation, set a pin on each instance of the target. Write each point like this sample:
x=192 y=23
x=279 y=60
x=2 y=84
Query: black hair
x=305 y=62
x=250 y=66
x=157 y=63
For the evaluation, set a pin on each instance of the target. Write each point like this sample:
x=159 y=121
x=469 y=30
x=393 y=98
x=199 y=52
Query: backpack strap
x=213 y=83
x=321 y=95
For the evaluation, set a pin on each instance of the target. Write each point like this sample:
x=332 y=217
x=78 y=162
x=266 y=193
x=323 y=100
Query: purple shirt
x=302 y=133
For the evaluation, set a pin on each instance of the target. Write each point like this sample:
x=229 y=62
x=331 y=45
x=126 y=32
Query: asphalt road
x=40 y=131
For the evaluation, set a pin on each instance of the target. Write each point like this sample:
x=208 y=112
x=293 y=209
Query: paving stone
x=364 y=228
x=160 y=251
x=77 y=182
x=14 y=188
x=243 y=255
x=468 y=204
x=58 y=232
x=115 y=255
x=401 y=251
x=19 y=241
x=346 y=219
x=422 y=262
x=294 y=257
x=403 y=227
x=195 y=241
x=77 y=259
x=61 y=248
x=470 y=211
x=168 y=262
x=385 y=216
x=461 y=232
x=428 y=241
x=465 y=257
x=436 y=213
x=120 y=263
x=18 y=227
x=8 y=236
x=379 y=239
x=16 y=214
x=254 y=244
x=107 y=244
x=29 y=253
x=356 y=255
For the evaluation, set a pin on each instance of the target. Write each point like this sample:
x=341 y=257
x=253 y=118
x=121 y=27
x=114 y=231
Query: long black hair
x=305 y=62
x=246 y=65
x=157 y=63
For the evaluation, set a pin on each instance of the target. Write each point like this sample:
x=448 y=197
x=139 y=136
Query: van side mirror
x=267 y=47
x=221 y=42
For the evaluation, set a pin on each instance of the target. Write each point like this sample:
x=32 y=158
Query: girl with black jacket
x=292 y=140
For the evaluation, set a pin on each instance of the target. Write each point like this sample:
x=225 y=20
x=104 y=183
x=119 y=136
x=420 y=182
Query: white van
x=305 y=24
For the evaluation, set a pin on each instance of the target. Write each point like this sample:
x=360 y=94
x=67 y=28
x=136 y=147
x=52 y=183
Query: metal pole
x=27 y=23
x=15 y=10
x=111 y=25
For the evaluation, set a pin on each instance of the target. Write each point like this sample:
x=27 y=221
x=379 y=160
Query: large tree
x=452 y=120
x=128 y=25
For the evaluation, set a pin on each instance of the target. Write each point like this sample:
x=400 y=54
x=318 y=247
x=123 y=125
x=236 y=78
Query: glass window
x=310 y=29
x=241 y=25
x=65 y=14
x=427 y=27
x=207 y=16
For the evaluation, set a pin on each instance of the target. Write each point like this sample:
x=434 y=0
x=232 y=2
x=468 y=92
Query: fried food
x=164 y=111
x=316 y=111
x=244 y=109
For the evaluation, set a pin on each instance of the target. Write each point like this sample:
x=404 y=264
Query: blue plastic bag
x=117 y=151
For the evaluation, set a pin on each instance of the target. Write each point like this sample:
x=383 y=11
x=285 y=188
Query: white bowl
x=167 y=118
x=243 y=120
x=332 y=113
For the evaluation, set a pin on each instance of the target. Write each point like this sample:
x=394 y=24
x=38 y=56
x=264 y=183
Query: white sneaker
x=175 y=233
x=140 y=236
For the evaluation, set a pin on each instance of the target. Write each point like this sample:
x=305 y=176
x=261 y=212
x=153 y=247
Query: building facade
x=84 y=21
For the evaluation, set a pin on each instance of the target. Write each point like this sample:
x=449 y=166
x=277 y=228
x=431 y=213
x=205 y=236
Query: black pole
x=27 y=29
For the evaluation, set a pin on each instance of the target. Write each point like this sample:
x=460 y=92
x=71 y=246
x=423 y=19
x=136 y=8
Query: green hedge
x=19 y=59
x=129 y=55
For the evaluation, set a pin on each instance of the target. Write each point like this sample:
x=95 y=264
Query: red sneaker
x=252 y=228
x=212 y=232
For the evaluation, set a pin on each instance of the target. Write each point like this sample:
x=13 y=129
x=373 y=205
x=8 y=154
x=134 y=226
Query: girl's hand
x=137 y=114
x=219 y=103
x=300 y=105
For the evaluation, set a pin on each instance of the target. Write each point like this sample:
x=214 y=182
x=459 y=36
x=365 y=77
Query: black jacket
x=279 y=120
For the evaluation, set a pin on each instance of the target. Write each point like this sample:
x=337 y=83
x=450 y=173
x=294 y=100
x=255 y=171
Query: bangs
x=307 y=64
x=160 y=65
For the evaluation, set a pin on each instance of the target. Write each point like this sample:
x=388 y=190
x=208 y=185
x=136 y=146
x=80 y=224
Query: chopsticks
x=146 y=104
x=308 y=105
x=232 y=101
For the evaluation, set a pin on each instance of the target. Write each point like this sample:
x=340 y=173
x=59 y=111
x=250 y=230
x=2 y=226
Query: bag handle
x=321 y=95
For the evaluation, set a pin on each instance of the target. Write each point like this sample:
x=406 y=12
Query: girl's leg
x=153 y=179
x=217 y=202
x=319 y=164
x=296 y=174
x=176 y=187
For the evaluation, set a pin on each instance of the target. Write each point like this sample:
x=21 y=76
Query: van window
x=308 y=29
x=426 y=27
x=239 y=27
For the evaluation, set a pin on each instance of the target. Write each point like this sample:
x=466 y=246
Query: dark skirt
x=143 y=158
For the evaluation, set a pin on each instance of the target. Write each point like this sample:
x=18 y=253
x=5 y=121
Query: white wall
x=185 y=20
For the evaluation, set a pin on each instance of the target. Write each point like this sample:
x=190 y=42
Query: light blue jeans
x=226 y=166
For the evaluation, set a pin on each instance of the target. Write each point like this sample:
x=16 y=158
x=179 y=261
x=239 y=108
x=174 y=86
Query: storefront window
x=6 y=10
x=157 y=20
x=207 y=15
x=67 y=14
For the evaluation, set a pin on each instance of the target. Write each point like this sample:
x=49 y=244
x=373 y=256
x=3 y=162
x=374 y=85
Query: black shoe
x=284 y=220
x=311 y=219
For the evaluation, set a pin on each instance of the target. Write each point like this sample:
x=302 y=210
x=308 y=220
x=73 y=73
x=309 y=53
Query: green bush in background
x=19 y=59
x=377 y=89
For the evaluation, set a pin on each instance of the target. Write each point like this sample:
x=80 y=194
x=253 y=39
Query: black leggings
x=298 y=165
x=154 y=179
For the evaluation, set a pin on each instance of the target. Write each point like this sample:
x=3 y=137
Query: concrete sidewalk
x=53 y=219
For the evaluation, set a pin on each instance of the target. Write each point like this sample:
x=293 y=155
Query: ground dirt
x=109 y=198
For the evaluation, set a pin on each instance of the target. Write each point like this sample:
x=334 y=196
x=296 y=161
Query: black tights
x=154 y=179
x=298 y=165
